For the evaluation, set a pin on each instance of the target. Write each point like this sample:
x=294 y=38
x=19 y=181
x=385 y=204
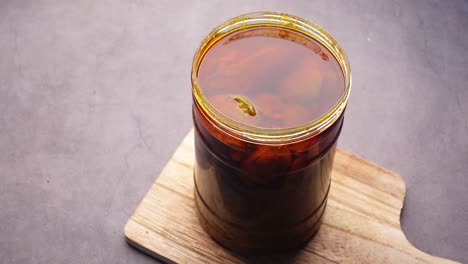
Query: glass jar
x=262 y=189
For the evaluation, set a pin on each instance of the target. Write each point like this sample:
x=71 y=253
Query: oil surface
x=270 y=78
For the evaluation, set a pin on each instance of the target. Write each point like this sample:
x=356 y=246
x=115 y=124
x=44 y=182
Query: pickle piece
x=303 y=84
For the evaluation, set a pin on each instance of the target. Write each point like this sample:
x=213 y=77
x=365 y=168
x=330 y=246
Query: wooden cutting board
x=361 y=223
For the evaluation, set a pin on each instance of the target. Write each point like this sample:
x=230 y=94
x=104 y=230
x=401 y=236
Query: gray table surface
x=95 y=97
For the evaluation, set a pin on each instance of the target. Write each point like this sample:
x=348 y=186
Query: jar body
x=258 y=198
x=262 y=183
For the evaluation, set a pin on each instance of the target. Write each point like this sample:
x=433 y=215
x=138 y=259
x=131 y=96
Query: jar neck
x=269 y=135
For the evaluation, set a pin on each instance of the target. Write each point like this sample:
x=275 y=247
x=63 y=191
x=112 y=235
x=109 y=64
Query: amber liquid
x=290 y=80
x=255 y=197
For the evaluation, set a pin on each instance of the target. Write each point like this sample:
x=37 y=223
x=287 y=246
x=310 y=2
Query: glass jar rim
x=271 y=135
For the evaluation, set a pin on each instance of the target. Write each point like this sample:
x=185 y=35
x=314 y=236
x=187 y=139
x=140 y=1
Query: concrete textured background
x=95 y=97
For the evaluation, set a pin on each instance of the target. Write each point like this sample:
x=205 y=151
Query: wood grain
x=361 y=223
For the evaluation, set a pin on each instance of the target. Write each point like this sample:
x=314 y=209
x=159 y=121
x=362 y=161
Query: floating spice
x=246 y=106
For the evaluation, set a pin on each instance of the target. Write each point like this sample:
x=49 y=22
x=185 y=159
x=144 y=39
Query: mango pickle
x=269 y=94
